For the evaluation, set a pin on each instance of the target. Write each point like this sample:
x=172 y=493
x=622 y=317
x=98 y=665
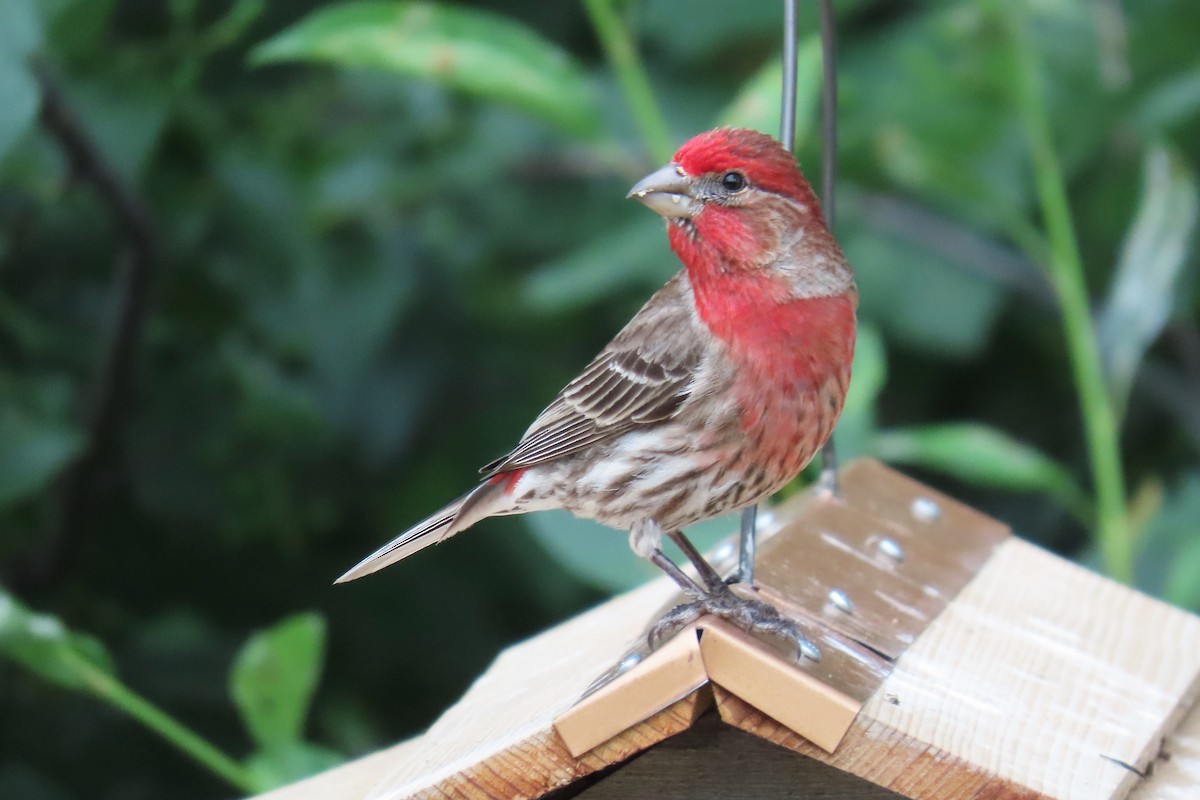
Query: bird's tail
x=459 y=515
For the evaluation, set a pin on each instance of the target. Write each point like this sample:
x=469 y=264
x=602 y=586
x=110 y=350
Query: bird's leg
x=828 y=481
x=711 y=578
x=659 y=559
x=645 y=537
x=747 y=536
x=714 y=598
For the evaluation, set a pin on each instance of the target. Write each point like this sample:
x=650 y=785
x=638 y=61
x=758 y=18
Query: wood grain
x=1040 y=680
x=1048 y=675
x=500 y=734
x=883 y=757
x=1037 y=680
x=1174 y=773
x=835 y=543
x=350 y=781
x=541 y=763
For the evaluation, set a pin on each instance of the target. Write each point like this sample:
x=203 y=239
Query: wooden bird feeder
x=958 y=661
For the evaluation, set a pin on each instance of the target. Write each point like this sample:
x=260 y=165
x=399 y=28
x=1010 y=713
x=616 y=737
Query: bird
x=716 y=394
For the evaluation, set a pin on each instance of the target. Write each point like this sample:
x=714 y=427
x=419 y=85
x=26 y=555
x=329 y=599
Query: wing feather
x=641 y=378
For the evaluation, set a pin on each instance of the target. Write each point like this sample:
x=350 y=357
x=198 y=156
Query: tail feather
x=459 y=515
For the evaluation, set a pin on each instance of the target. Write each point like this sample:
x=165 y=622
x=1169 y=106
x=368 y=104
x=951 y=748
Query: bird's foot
x=753 y=616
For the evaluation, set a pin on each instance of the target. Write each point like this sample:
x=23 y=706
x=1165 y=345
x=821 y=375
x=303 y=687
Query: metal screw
x=925 y=509
x=891 y=549
x=809 y=650
x=629 y=662
x=839 y=599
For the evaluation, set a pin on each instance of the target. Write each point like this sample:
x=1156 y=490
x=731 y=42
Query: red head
x=736 y=203
x=760 y=160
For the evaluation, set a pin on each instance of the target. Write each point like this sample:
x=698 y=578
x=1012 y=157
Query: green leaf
x=921 y=103
x=1168 y=562
x=1183 y=579
x=42 y=644
x=917 y=295
x=20 y=35
x=274 y=676
x=1170 y=103
x=230 y=28
x=20 y=29
x=634 y=255
x=19 y=99
x=856 y=427
x=125 y=119
x=599 y=555
x=1155 y=250
x=472 y=51
x=982 y=455
x=290 y=763
x=756 y=104
x=706 y=32
x=34 y=452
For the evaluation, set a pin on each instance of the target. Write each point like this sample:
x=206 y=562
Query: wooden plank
x=1040 y=680
x=540 y=763
x=881 y=756
x=1047 y=674
x=811 y=707
x=354 y=779
x=819 y=698
x=673 y=671
x=1174 y=773
x=498 y=741
x=934 y=547
x=898 y=551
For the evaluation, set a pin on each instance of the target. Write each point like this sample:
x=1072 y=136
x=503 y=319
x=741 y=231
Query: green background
x=378 y=238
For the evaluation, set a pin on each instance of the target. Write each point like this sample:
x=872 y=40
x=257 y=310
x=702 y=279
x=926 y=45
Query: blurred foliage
x=382 y=234
x=469 y=50
x=272 y=683
x=1151 y=262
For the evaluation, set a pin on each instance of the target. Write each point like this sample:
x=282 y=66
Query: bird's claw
x=753 y=616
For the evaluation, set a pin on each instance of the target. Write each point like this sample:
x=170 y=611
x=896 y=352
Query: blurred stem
x=108 y=688
x=1066 y=274
x=619 y=47
x=115 y=370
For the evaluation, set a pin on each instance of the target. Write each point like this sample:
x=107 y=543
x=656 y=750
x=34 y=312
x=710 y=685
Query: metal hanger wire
x=787 y=136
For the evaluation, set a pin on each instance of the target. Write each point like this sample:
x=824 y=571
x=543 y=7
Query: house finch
x=718 y=391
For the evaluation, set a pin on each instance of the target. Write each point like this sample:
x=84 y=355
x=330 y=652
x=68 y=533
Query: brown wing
x=640 y=378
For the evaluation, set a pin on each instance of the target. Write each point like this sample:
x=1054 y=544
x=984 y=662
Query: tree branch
x=114 y=373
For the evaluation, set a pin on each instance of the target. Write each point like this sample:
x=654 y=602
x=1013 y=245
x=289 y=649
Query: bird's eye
x=733 y=181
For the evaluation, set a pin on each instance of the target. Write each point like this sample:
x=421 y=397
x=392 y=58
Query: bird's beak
x=668 y=191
